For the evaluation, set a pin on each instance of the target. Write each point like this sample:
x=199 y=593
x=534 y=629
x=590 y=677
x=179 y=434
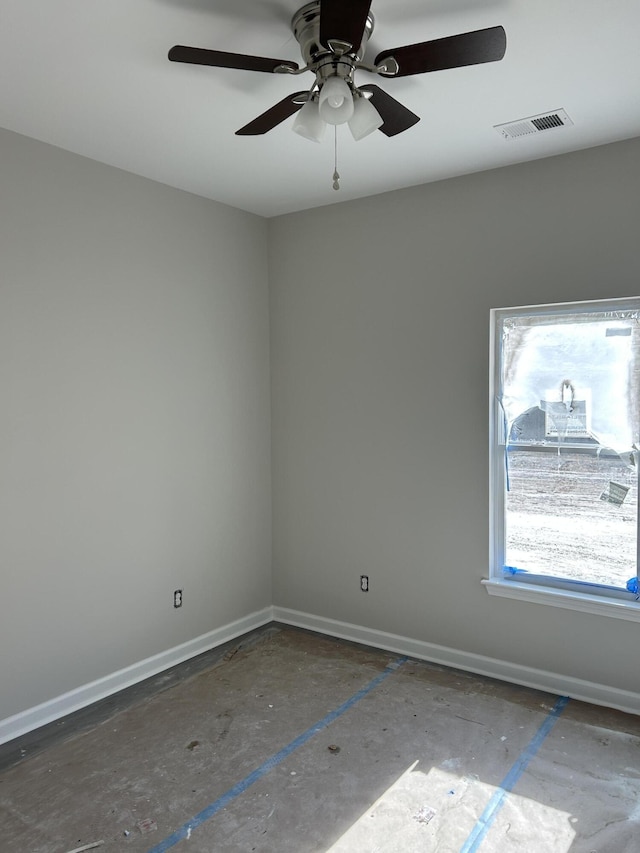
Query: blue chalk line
x=207 y=813
x=508 y=783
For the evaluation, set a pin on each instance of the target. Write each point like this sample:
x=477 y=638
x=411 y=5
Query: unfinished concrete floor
x=296 y=742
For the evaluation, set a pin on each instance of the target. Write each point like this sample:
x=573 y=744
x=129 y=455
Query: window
x=564 y=454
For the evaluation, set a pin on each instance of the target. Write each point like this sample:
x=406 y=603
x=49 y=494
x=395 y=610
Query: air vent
x=534 y=124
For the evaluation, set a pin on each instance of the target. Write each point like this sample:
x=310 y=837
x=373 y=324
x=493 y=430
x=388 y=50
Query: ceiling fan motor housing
x=337 y=59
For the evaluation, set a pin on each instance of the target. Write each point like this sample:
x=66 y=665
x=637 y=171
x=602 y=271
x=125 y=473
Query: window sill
x=597 y=604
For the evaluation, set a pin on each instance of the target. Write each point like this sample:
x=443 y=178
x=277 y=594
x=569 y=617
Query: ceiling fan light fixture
x=333 y=36
x=336 y=101
x=309 y=123
x=365 y=118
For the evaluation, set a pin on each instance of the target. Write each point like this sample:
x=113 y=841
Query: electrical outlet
x=364 y=583
x=177 y=598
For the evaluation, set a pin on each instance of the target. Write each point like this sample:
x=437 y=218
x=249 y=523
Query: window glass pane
x=564 y=517
x=590 y=359
x=569 y=396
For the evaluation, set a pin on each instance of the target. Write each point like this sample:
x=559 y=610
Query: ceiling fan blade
x=473 y=48
x=273 y=116
x=343 y=22
x=222 y=59
x=396 y=117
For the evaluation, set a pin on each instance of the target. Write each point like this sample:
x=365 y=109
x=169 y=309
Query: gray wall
x=380 y=355
x=135 y=406
x=134 y=394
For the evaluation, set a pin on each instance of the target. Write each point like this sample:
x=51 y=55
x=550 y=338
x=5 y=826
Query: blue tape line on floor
x=508 y=783
x=207 y=813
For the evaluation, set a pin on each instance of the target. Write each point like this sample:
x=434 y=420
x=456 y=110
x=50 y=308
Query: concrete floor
x=289 y=741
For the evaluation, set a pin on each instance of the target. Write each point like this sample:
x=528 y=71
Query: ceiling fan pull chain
x=336 y=176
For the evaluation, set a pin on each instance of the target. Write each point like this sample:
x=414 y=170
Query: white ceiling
x=92 y=76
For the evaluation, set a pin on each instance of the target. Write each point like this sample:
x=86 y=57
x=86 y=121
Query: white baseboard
x=552 y=682
x=586 y=691
x=80 y=697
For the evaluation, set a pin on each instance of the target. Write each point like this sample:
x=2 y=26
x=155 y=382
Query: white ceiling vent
x=534 y=124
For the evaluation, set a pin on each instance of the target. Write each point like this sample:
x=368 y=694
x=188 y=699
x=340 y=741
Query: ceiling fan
x=333 y=36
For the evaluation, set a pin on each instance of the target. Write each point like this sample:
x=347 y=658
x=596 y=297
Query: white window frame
x=540 y=589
